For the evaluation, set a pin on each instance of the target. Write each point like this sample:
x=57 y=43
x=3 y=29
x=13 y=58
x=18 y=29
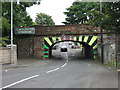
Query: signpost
x=27 y=30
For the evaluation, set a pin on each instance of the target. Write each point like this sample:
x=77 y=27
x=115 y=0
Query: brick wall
x=25 y=44
x=66 y=29
x=38 y=47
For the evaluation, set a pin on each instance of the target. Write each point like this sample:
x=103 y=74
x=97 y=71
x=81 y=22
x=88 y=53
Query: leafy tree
x=111 y=16
x=5 y=27
x=89 y=13
x=20 y=18
x=44 y=19
x=81 y=12
x=4 y=41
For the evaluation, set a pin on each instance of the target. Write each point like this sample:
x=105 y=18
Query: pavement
x=26 y=63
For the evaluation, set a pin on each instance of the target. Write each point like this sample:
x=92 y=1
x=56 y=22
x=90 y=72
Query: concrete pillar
x=13 y=54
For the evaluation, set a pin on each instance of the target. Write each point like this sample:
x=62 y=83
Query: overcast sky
x=54 y=8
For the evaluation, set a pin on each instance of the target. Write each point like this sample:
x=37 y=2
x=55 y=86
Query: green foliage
x=4 y=41
x=89 y=13
x=109 y=19
x=81 y=12
x=5 y=27
x=34 y=23
x=44 y=19
x=112 y=64
x=20 y=16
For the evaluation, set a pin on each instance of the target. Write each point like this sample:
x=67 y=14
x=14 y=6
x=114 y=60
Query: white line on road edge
x=52 y=70
x=64 y=65
x=19 y=81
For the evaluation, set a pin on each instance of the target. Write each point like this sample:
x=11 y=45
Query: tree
x=44 y=19
x=20 y=16
x=89 y=13
x=80 y=12
x=111 y=17
x=5 y=27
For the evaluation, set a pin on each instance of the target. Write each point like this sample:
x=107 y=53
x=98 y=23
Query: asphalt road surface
x=68 y=72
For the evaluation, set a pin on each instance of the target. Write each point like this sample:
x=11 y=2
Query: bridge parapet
x=66 y=29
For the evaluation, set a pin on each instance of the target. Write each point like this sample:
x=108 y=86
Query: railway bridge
x=36 y=41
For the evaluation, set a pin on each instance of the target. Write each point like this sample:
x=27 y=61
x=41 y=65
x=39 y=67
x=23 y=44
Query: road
x=68 y=72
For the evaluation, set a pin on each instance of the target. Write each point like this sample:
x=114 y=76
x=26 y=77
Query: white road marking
x=19 y=81
x=57 y=68
x=52 y=70
x=64 y=65
x=31 y=77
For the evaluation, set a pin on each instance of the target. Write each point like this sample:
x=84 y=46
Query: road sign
x=27 y=30
x=67 y=37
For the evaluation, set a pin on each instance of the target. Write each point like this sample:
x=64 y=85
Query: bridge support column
x=95 y=54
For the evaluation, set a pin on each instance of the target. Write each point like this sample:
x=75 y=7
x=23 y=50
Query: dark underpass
x=70 y=49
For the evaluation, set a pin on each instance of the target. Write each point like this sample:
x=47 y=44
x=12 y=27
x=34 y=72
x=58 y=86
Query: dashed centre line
x=64 y=65
x=32 y=77
x=52 y=70
x=58 y=68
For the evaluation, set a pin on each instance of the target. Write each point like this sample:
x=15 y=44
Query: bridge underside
x=89 y=42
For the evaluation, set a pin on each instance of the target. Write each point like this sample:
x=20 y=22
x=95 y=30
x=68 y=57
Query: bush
x=4 y=41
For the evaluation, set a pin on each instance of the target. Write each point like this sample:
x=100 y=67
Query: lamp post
x=101 y=34
x=12 y=51
x=12 y=62
x=11 y=23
